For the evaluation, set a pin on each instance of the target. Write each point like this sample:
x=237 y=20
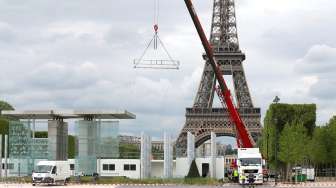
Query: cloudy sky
x=77 y=54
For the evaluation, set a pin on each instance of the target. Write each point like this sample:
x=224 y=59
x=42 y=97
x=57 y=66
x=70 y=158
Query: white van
x=51 y=172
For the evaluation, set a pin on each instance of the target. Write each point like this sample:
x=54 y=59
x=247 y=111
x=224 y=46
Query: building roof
x=53 y=114
x=119 y=114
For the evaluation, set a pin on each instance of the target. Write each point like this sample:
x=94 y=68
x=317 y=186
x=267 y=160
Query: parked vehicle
x=51 y=172
x=250 y=162
x=302 y=174
x=310 y=174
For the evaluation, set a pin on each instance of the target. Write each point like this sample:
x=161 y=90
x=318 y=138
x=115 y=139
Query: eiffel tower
x=202 y=118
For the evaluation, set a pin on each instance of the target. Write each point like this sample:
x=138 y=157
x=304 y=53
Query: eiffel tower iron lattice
x=202 y=118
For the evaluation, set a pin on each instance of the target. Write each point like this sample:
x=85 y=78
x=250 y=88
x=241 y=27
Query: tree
x=193 y=170
x=4 y=129
x=230 y=150
x=71 y=146
x=293 y=141
x=4 y=123
x=331 y=140
x=71 y=142
x=129 y=151
x=41 y=134
x=318 y=149
x=332 y=121
x=279 y=115
x=5 y=106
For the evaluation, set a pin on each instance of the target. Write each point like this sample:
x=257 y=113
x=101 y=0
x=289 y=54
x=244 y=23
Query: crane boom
x=243 y=138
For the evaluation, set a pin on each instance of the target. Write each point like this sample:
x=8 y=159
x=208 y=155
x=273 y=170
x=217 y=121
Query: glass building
x=23 y=149
x=97 y=139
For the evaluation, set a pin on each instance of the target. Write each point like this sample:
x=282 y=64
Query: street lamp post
x=276 y=152
x=276 y=100
x=267 y=148
x=267 y=157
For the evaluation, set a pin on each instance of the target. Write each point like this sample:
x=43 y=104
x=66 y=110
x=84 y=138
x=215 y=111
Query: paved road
x=145 y=186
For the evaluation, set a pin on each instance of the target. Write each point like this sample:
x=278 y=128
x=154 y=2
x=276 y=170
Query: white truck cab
x=51 y=172
x=250 y=161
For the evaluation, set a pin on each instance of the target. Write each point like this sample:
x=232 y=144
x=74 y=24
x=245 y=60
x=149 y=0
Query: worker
x=230 y=174
x=235 y=175
x=251 y=180
x=243 y=178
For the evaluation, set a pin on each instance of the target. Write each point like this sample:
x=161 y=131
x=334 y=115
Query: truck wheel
x=33 y=184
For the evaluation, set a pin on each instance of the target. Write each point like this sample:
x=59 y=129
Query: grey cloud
x=320 y=64
x=287 y=33
x=324 y=90
x=7 y=34
x=51 y=40
x=54 y=76
x=320 y=59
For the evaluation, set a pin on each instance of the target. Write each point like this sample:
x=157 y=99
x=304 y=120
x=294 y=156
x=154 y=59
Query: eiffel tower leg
x=181 y=145
x=205 y=91
x=241 y=89
x=250 y=115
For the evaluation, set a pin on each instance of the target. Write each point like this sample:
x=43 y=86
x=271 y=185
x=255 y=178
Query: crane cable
x=156 y=12
x=156 y=23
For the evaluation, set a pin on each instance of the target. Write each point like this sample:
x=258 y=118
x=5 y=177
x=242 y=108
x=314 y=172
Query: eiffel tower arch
x=202 y=118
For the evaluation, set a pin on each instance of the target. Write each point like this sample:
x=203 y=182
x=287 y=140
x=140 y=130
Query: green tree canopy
x=323 y=144
x=280 y=114
x=293 y=146
x=41 y=134
x=293 y=142
x=71 y=146
x=5 y=106
x=4 y=124
x=318 y=147
x=71 y=142
x=277 y=117
x=332 y=121
x=331 y=140
x=129 y=151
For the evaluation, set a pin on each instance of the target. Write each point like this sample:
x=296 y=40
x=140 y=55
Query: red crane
x=243 y=137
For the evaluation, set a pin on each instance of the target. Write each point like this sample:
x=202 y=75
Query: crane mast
x=242 y=135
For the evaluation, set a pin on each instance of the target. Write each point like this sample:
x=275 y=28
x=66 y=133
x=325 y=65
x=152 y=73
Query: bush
x=193 y=171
